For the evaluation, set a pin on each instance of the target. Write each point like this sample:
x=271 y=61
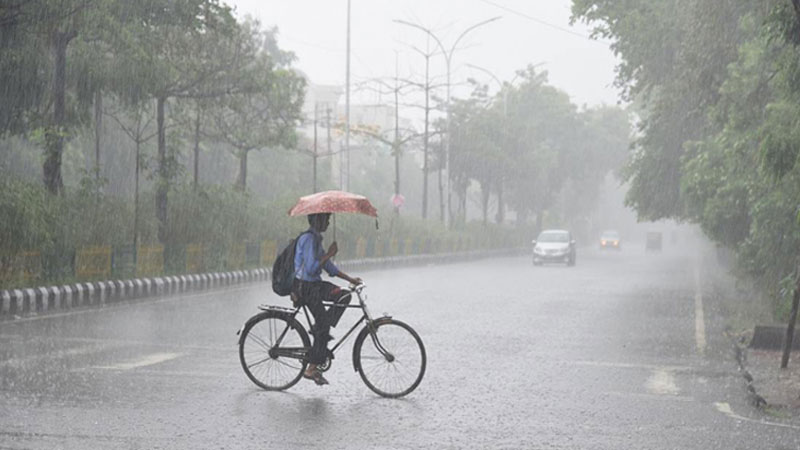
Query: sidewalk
x=779 y=388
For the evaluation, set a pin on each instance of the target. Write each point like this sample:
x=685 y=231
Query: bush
x=230 y=225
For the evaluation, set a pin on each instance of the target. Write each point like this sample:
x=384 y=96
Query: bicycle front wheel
x=272 y=351
x=393 y=363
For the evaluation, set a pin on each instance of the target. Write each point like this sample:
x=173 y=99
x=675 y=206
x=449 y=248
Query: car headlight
x=538 y=251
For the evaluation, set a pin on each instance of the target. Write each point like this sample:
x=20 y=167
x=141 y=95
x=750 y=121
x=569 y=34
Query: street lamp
x=502 y=84
x=448 y=57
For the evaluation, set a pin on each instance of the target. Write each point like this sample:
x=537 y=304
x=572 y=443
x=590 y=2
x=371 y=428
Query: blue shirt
x=307 y=257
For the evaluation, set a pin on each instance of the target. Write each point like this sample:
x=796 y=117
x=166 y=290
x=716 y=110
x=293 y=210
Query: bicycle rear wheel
x=272 y=351
x=400 y=369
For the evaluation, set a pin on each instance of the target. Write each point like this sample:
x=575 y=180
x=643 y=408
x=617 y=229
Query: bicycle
x=274 y=346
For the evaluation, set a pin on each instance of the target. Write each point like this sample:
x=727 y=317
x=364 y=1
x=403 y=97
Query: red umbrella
x=333 y=202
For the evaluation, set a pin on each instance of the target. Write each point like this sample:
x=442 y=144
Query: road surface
x=624 y=351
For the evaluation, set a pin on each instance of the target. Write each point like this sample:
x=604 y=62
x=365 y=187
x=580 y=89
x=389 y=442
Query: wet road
x=623 y=351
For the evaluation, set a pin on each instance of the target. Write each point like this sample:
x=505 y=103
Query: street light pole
x=426 y=87
x=315 y=154
x=347 y=106
x=448 y=57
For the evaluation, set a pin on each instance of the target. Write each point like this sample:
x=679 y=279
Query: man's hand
x=333 y=250
x=354 y=281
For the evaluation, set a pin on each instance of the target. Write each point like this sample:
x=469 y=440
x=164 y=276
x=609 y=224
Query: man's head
x=320 y=221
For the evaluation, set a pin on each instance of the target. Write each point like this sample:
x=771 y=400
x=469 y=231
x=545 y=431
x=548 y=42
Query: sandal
x=317 y=377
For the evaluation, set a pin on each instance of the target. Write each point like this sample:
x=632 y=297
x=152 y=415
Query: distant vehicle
x=653 y=242
x=610 y=240
x=554 y=246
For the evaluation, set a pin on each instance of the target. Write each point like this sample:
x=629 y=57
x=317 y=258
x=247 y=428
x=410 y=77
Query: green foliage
x=25 y=217
x=23 y=65
x=265 y=109
x=780 y=138
x=674 y=56
x=34 y=221
x=220 y=218
x=718 y=84
x=531 y=142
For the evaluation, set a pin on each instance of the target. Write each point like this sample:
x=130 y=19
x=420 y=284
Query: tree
x=266 y=109
x=601 y=146
x=23 y=71
x=136 y=122
x=36 y=103
x=476 y=151
x=543 y=126
x=718 y=86
x=189 y=49
x=674 y=55
x=528 y=142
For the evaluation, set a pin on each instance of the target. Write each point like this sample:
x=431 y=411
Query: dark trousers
x=312 y=294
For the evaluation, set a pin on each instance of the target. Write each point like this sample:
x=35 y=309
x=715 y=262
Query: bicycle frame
x=365 y=317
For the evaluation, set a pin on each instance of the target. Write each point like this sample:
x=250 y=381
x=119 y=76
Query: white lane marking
x=662 y=382
x=149 y=360
x=188 y=373
x=123 y=342
x=59 y=354
x=120 y=306
x=699 y=320
x=725 y=408
x=652 y=367
x=643 y=396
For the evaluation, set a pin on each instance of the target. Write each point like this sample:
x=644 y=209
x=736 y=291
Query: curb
x=19 y=303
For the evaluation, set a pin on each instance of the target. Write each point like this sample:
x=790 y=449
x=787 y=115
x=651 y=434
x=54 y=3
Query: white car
x=554 y=246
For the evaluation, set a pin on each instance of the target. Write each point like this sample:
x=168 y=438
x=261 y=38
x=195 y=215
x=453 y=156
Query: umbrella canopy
x=333 y=202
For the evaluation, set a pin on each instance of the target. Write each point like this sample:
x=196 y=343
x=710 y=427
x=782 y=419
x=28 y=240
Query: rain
x=238 y=224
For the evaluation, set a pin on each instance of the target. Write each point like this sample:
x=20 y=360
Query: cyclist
x=309 y=289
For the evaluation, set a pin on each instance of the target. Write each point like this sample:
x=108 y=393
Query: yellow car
x=610 y=240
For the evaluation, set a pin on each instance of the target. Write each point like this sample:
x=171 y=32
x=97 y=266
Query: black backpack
x=283 y=269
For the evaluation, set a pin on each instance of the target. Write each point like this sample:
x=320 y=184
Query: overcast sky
x=529 y=32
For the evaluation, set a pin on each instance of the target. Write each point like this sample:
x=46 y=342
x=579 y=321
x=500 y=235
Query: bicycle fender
x=363 y=333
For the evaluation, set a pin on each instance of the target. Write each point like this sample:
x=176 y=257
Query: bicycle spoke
x=398 y=374
x=260 y=341
x=271 y=365
x=250 y=366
